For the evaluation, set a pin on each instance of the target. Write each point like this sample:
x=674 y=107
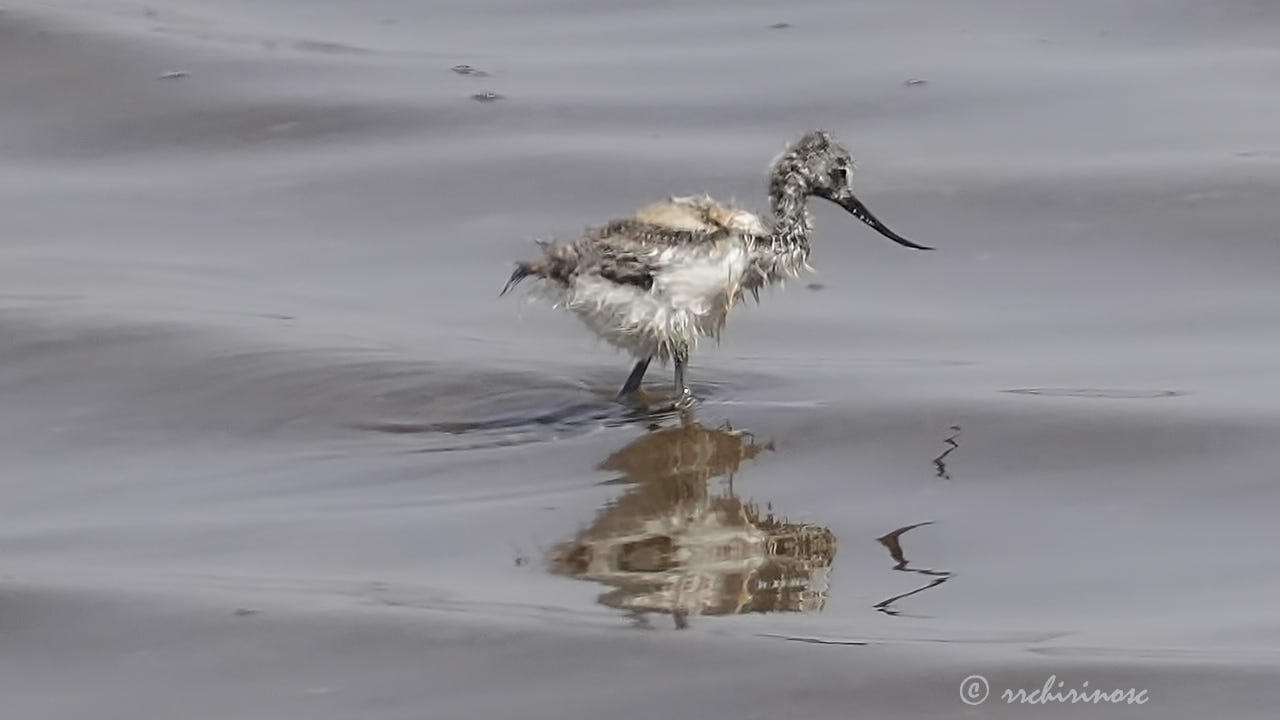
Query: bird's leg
x=681 y=359
x=633 y=380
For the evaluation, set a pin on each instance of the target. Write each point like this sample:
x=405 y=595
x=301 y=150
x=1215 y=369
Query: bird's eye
x=840 y=175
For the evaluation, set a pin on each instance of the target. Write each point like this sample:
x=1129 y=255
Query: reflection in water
x=892 y=541
x=940 y=462
x=671 y=544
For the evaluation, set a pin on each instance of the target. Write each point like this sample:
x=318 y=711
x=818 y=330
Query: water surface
x=273 y=446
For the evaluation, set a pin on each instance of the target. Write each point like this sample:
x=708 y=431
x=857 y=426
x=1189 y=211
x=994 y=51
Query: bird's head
x=816 y=164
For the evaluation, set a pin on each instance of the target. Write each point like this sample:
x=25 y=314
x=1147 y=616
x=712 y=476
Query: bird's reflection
x=893 y=542
x=940 y=462
x=674 y=544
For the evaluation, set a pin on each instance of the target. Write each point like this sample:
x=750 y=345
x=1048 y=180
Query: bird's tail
x=522 y=271
x=557 y=264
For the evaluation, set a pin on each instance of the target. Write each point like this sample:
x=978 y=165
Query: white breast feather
x=696 y=284
x=691 y=293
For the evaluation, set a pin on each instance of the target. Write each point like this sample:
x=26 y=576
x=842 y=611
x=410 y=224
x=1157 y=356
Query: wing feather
x=630 y=250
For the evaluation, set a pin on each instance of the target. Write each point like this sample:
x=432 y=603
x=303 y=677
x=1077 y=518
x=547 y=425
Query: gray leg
x=681 y=359
x=633 y=380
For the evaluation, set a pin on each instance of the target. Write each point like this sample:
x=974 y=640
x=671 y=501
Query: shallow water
x=273 y=446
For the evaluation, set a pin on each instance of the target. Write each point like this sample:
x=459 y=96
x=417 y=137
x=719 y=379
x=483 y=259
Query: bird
x=654 y=283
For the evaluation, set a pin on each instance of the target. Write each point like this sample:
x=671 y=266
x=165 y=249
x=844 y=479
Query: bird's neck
x=792 y=222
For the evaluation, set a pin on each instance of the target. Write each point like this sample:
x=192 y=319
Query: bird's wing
x=622 y=252
x=631 y=250
x=701 y=215
x=679 y=214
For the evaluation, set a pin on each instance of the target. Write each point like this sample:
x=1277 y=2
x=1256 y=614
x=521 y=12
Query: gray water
x=274 y=448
